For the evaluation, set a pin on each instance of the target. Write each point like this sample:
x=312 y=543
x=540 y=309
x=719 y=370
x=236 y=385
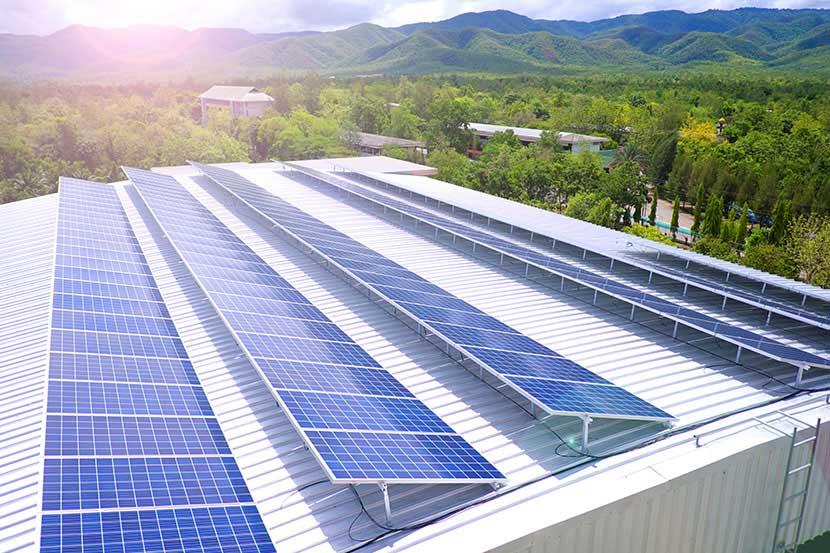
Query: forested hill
x=494 y=41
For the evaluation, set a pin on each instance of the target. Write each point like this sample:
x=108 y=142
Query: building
x=240 y=101
x=374 y=144
x=146 y=295
x=571 y=142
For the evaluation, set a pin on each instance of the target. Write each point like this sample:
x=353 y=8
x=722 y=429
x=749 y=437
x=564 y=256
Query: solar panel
x=560 y=267
x=469 y=329
x=233 y=529
x=327 y=384
x=128 y=426
x=732 y=291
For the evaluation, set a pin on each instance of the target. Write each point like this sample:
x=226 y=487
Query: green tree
x=780 y=221
x=808 y=245
x=652 y=214
x=448 y=126
x=698 y=211
x=713 y=218
x=743 y=222
x=675 y=216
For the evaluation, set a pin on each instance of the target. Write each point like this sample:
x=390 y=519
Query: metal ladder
x=795 y=491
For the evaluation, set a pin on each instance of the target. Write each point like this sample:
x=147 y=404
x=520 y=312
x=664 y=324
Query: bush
x=650 y=233
x=769 y=258
x=715 y=247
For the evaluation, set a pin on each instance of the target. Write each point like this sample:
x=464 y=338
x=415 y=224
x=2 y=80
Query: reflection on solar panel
x=128 y=426
x=495 y=346
x=550 y=263
x=333 y=390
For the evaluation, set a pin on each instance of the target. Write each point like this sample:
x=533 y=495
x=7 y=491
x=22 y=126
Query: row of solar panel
x=289 y=340
x=561 y=267
x=115 y=354
x=236 y=529
x=732 y=290
x=122 y=483
x=506 y=341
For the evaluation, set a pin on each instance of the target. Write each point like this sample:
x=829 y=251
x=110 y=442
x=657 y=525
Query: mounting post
x=723 y=304
x=584 y=253
x=803 y=299
x=586 y=424
x=674 y=330
x=769 y=316
x=650 y=276
x=738 y=355
x=764 y=288
x=386 y=504
x=631 y=316
x=800 y=374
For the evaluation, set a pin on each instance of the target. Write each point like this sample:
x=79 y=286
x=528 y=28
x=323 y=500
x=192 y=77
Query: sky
x=46 y=16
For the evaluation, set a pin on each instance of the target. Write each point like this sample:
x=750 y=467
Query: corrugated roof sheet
x=235 y=93
x=27 y=246
x=532 y=135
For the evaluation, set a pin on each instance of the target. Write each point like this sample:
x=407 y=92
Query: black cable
x=301 y=488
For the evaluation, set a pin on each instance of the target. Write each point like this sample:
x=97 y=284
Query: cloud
x=46 y=16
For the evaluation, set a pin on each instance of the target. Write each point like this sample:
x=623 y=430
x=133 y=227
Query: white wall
x=726 y=507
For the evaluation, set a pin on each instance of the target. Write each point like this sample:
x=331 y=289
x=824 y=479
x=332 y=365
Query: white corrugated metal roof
x=235 y=94
x=27 y=246
x=377 y=164
x=691 y=380
x=532 y=135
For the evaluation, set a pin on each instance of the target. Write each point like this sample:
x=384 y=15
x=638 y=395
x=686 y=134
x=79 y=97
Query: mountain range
x=494 y=41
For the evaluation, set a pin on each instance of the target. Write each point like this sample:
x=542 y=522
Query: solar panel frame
x=380 y=293
x=785 y=353
x=485 y=467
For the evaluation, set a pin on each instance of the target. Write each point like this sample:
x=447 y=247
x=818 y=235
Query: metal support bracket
x=387 y=505
x=586 y=424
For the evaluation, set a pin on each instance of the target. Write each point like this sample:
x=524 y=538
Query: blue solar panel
x=325 y=381
x=568 y=397
x=69 y=396
x=128 y=425
x=216 y=529
x=496 y=346
x=385 y=456
x=664 y=307
x=102 y=435
x=118 y=483
x=353 y=412
x=69 y=366
x=297 y=375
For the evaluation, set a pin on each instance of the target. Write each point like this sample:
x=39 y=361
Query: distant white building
x=571 y=142
x=241 y=101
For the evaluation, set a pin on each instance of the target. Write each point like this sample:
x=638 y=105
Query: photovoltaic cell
x=326 y=382
x=128 y=426
x=496 y=346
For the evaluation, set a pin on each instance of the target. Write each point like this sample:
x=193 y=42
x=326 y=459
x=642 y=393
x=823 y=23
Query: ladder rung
x=785 y=524
x=799 y=469
x=793 y=496
x=805 y=441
